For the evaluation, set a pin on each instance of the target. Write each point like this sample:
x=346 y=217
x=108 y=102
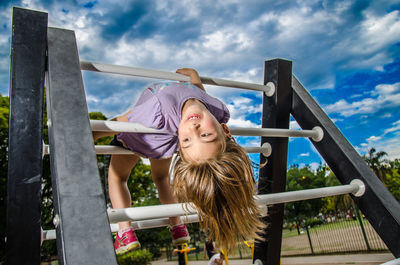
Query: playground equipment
x=38 y=51
x=182 y=250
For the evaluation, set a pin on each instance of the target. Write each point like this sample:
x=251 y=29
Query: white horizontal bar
x=356 y=187
x=153 y=223
x=48 y=235
x=157 y=216
x=118 y=126
x=316 y=133
x=116 y=150
x=269 y=89
x=145 y=224
x=149 y=212
x=111 y=150
x=265 y=149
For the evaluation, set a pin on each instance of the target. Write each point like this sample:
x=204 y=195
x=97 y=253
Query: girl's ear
x=226 y=130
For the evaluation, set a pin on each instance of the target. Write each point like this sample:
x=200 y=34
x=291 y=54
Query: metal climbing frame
x=78 y=198
x=377 y=204
x=28 y=55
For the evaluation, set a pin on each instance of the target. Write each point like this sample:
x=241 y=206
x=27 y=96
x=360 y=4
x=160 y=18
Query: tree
x=4 y=106
x=300 y=179
x=386 y=170
x=395 y=164
x=393 y=183
x=376 y=162
x=335 y=203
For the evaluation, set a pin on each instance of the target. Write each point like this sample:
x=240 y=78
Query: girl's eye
x=186 y=140
x=205 y=134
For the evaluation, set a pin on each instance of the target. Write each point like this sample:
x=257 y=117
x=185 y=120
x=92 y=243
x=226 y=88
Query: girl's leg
x=160 y=174
x=98 y=135
x=118 y=174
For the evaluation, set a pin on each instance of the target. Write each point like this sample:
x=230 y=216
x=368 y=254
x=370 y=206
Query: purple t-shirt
x=159 y=107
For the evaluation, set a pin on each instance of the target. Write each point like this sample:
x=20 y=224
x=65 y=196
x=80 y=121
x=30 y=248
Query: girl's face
x=200 y=134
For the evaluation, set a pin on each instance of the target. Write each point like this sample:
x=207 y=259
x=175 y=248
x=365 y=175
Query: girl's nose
x=195 y=125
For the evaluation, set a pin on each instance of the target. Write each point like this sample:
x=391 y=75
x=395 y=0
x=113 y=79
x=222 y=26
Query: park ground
x=360 y=259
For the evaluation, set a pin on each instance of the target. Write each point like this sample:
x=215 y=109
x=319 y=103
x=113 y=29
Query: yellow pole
x=186 y=258
x=250 y=244
x=185 y=249
x=225 y=256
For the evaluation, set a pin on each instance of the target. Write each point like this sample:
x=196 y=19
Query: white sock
x=122 y=231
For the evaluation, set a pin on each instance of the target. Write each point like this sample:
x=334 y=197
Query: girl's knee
x=160 y=178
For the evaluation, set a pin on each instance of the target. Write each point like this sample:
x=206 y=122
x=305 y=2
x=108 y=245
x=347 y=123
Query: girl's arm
x=194 y=76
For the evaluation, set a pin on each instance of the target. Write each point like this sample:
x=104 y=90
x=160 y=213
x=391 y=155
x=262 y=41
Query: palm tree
x=376 y=162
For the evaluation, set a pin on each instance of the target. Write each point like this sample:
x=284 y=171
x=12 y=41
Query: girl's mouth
x=193 y=117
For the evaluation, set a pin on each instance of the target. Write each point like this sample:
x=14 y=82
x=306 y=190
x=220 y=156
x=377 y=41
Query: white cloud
x=388 y=142
x=220 y=40
x=379 y=31
x=242 y=123
x=243 y=106
x=240 y=108
x=374 y=138
x=389 y=145
x=304 y=154
x=293 y=125
x=148 y=52
x=386 y=96
x=314 y=166
x=335 y=120
x=92 y=99
x=396 y=127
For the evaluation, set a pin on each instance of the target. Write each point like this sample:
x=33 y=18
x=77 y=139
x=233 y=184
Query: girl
x=215 y=257
x=212 y=172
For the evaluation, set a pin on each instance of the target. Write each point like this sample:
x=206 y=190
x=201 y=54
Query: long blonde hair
x=222 y=191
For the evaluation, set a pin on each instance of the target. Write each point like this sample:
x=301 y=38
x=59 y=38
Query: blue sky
x=346 y=53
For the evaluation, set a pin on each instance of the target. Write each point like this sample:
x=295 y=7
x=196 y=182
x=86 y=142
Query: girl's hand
x=194 y=76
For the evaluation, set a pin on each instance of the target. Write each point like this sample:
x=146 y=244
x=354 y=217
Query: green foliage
x=377 y=163
x=138 y=257
x=97 y=116
x=4 y=106
x=313 y=222
x=393 y=183
x=103 y=140
x=48 y=250
x=3 y=171
x=142 y=187
x=395 y=164
x=154 y=239
x=335 y=203
x=300 y=179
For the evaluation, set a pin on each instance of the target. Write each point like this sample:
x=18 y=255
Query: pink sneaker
x=179 y=234
x=127 y=242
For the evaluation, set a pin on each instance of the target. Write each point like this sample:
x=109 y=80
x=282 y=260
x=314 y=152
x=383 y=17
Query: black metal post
x=377 y=204
x=28 y=57
x=272 y=177
x=83 y=230
x=362 y=229
x=309 y=239
x=181 y=256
